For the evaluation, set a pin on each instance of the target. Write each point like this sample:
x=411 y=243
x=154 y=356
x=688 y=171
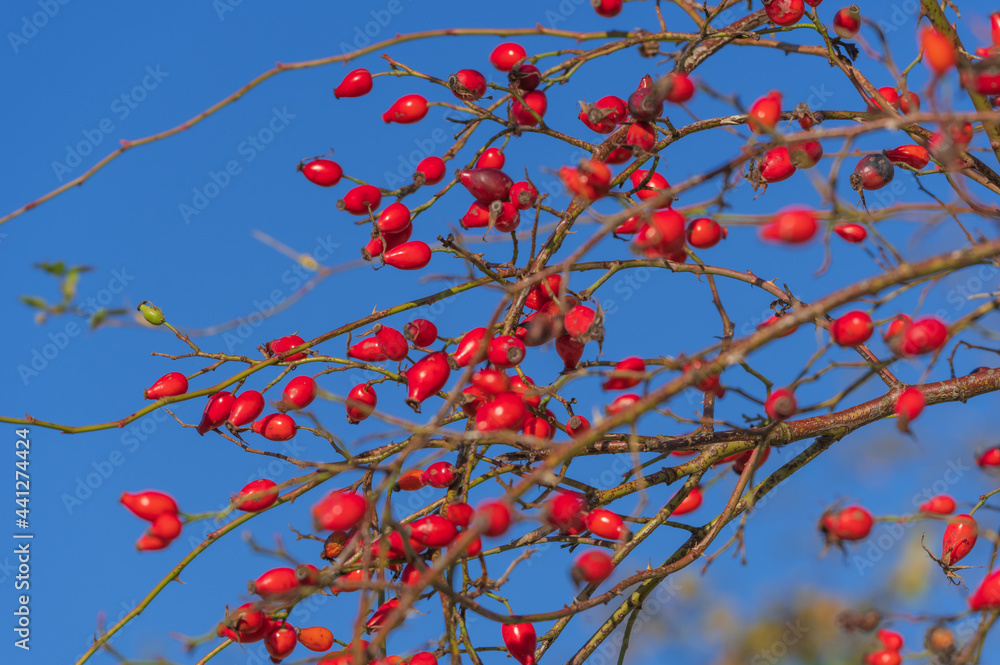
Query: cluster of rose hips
x=160 y=510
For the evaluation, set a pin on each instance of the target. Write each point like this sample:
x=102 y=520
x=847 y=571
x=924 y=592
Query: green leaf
x=34 y=301
x=57 y=269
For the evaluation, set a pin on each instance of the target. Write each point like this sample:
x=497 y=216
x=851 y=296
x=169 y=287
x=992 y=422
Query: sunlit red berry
x=776 y=165
x=166 y=527
x=524 y=77
x=168 y=385
x=440 y=475
x=847 y=22
x=149 y=505
x=278 y=427
x=316 y=638
x=361 y=200
x=607 y=8
x=690 y=503
x=791 y=226
x=505 y=351
x=606 y=524
x=852 y=328
x=492 y=158
x=427 y=376
x=990 y=459
x=850 y=523
x=766 y=111
x=460 y=514
x=681 y=88
x=535 y=101
x=406 y=110
x=256 y=495
x=216 y=411
x=298 y=394
x=506 y=411
x=496 y=516
x=507 y=55
x=987 y=596
x=627 y=373
x=939 y=52
x=361 y=402
x=784 y=12
x=412 y=255
x=805 y=154
x=275 y=583
x=520 y=640
x=577 y=426
x=923 y=336
x=851 y=232
x=911 y=155
x=959 y=538
x=909 y=404
x=523 y=195
x=467 y=84
x=322 y=172
x=356 y=84
x=150 y=543
x=433 y=170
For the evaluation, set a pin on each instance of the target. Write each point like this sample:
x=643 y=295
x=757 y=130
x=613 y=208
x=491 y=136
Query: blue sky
x=84 y=78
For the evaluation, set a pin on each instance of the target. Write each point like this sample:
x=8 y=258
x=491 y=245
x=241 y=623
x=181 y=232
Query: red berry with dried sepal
x=805 y=154
x=467 y=84
x=505 y=351
x=361 y=200
x=780 y=404
x=433 y=531
x=525 y=77
x=646 y=103
x=605 y=114
x=406 y=110
x=361 y=402
x=433 y=170
x=850 y=523
x=427 y=376
x=872 y=172
x=852 y=328
x=298 y=394
x=577 y=426
x=942 y=504
x=765 y=112
x=507 y=55
x=847 y=22
x=440 y=475
x=256 y=496
x=367 y=350
x=592 y=567
x=421 y=332
x=150 y=504
x=356 y=84
x=384 y=242
x=959 y=538
x=339 y=511
x=322 y=172
x=216 y=411
x=535 y=101
x=412 y=255
x=853 y=233
x=776 y=165
x=523 y=195
x=508 y=219
x=168 y=385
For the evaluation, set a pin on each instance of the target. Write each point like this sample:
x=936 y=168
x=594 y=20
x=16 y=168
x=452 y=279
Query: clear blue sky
x=91 y=76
